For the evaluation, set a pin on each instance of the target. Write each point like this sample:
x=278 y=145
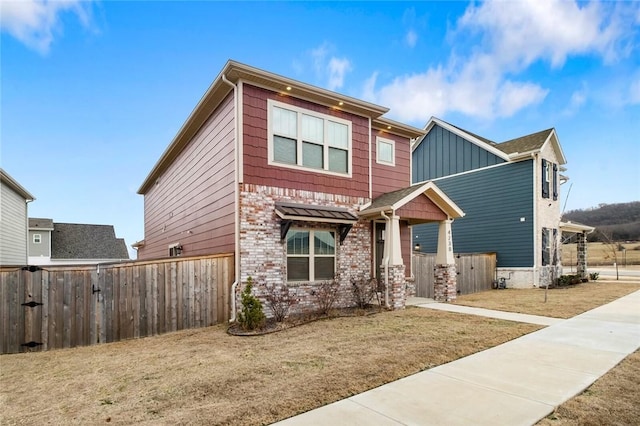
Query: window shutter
x=554 y=248
x=545 y=184
x=555 y=181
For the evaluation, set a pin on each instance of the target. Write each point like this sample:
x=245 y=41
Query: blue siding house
x=509 y=192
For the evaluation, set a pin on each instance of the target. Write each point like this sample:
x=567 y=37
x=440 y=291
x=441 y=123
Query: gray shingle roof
x=39 y=223
x=390 y=198
x=527 y=143
x=81 y=241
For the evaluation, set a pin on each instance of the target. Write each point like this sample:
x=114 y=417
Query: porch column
x=397 y=287
x=445 y=279
x=582 y=255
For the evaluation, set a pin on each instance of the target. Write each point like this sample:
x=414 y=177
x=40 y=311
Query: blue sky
x=93 y=92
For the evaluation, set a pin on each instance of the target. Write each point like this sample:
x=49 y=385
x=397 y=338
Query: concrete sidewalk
x=516 y=383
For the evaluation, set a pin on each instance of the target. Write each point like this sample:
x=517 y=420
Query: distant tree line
x=621 y=220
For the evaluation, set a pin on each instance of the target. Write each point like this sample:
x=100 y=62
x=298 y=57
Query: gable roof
x=39 y=223
x=82 y=241
x=234 y=72
x=6 y=179
x=510 y=150
x=484 y=143
x=396 y=199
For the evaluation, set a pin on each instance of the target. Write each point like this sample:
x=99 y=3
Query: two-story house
x=55 y=243
x=510 y=192
x=14 y=200
x=300 y=183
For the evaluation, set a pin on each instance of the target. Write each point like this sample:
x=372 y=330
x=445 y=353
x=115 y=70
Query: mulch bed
x=271 y=326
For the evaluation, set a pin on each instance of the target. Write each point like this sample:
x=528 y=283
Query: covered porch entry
x=581 y=231
x=392 y=214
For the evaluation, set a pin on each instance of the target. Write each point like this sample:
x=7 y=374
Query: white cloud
x=411 y=38
x=578 y=98
x=35 y=22
x=330 y=67
x=338 y=67
x=502 y=39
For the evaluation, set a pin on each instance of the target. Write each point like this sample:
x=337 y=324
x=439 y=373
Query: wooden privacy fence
x=476 y=272
x=63 y=307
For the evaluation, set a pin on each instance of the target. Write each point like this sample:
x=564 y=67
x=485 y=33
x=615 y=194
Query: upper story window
x=311 y=255
x=385 y=151
x=299 y=138
x=37 y=238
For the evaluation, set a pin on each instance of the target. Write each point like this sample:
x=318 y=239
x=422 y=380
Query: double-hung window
x=301 y=138
x=37 y=238
x=311 y=255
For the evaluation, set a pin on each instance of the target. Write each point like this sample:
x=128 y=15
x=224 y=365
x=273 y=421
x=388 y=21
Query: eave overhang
x=6 y=179
x=575 y=227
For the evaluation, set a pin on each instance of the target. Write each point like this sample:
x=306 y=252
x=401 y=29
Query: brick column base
x=397 y=287
x=445 y=284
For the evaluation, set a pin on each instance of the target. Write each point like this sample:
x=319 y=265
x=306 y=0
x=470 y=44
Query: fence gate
x=476 y=272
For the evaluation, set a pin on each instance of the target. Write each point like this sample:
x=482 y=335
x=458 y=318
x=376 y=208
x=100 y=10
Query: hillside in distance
x=620 y=220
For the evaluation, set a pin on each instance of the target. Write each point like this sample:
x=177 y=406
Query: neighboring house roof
x=6 y=179
x=234 y=72
x=397 y=199
x=81 y=241
x=38 y=223
x=532 y=142
x=509 y=150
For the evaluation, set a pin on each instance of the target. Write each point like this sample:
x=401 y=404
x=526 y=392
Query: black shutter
x=554 y=248
x=555 y=181
x=545 y=184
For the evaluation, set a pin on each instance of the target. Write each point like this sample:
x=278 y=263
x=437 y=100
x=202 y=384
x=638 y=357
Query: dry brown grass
x=600 y=254
x=612 y=400
x=561 y=302
x=206 y=376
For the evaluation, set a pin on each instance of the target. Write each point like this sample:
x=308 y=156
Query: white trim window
x=37 y=238
x=311 y=262
x=385 y=151
x=304 y=139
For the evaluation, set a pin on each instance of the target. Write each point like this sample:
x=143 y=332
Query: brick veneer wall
x=263 y=256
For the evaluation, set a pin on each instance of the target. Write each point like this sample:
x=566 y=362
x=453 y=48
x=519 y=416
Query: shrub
x=251 y=317
x=326 y=294
x=280 y=301
x=594 y=276
x=564 y=280
x=363 y=291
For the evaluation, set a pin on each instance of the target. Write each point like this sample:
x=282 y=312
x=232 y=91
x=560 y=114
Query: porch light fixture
x=288 y=88
x=388 y=127
x=340 y=103
x=416 y=247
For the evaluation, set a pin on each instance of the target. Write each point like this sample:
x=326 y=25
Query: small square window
x=37 y=238
x=175 y=250
x=385 y=151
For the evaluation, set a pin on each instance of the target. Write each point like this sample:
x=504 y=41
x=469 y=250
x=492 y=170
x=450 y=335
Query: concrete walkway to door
x=516 y=383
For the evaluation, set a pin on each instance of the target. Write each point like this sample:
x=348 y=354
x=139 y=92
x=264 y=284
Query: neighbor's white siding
x=13 y=227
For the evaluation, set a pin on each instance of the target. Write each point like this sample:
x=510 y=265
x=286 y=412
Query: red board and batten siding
x=387 y=178
x=255 y=134
x=192 y=202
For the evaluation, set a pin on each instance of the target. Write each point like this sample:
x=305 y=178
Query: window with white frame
x=301 y=138
x=311 y=255
x=385 y=151
x=37 y=238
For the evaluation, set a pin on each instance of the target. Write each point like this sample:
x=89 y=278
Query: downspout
x=26 y=210
x=385 y=260
x=236 y=257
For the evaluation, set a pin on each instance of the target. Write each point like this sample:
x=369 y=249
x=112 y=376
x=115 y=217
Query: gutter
x=236 y=259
